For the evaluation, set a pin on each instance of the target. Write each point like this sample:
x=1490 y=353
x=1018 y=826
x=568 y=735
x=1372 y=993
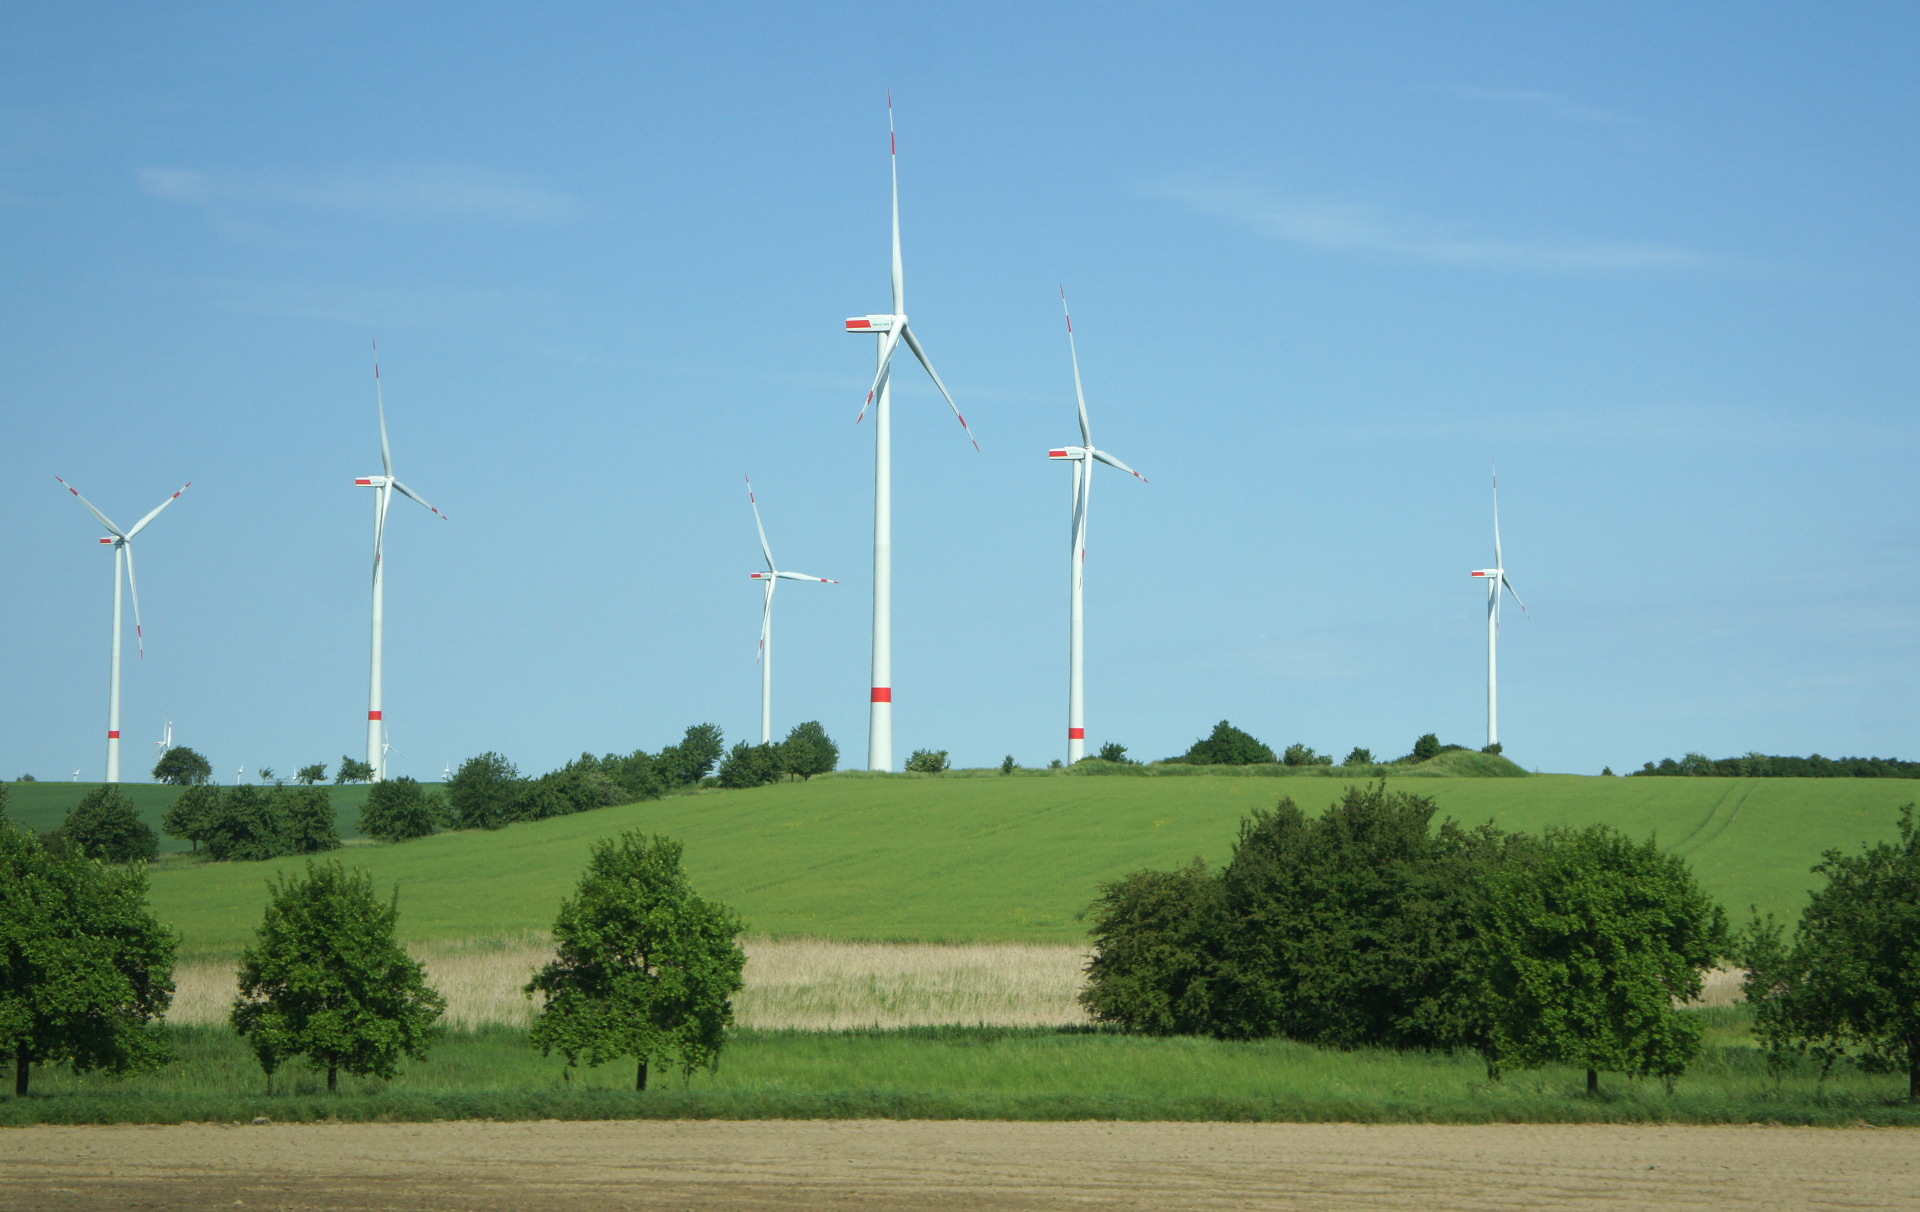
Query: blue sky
x=1325 y=261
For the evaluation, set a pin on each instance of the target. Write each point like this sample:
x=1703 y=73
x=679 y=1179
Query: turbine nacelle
x=371 y=482
x=1485 y=572
x=868 y=325
x=1068 y=452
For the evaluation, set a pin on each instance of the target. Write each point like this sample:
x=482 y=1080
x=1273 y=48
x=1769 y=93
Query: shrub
x=1226 y=746
x=927 y=761
x=399 y=810
x=103 y=825
x=1113 y=751
x=353 y=770
x=483 y=792
x=808 y=750
x=1359 y=756
x=685 y=764
x=1303 y=755
x=1493 y=748
x=182 y=767
x=84 y=967
x=1156 y=940
x=1584 y=951
x=1426 y=748
x=309 y=775
x=752 y=765
x=1008 y=765
x=324 y=979
x=645 y=967
x=635 y=776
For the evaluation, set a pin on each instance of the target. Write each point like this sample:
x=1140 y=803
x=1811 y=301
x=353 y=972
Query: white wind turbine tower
x=386 y=486
x=122 y=543
x=1083 y=458
x=1496 y=578
x=166 y=738
x=891 y=330
x=772 y=577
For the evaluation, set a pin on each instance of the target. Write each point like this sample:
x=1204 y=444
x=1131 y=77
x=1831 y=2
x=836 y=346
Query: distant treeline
x=1775 y=766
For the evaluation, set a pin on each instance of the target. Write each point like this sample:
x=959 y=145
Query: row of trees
x=1364 y=926
x=807 y=751
x=248 y=822
x=645 y=968
x=1774 y=766
x=184 y=767
x=1230 y=746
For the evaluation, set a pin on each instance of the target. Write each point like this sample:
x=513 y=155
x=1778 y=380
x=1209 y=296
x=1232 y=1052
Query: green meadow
x=968 y=857
x=42 y=806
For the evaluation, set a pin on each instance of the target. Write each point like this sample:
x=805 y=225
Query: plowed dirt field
x=968 y=1165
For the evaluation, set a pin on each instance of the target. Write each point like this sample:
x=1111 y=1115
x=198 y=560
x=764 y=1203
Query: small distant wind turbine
x=1082 y=457
x=386 y=486
x=771 y=577
x=891 y=330
x=1496 y=578
x=76 y=774
x=166 y=738
x=122 y=543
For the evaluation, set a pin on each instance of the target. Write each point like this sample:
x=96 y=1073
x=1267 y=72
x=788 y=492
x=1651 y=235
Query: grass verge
x=966 y=1073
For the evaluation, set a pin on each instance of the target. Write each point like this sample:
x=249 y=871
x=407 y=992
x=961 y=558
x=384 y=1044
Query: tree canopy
x=103 y=825
x=1226 y=746
x=182 y=767
x=645 y=967
x=85 y=969
x=399 y=810
x=808 y=750
x=353 y=770
x=325 y=979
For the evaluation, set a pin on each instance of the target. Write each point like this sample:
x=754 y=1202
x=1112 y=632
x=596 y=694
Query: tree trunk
x=22 y=1062
x=1593 y=1083
x=640 y=1079
x=332 y=1078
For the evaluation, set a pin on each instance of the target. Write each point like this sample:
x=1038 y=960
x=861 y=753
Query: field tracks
x=792 y=984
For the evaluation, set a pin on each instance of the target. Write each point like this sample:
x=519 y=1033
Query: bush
x=1773 y=766
x=1226 y=746
x=353 y=770
x=309 y=775
x=483 y=792
x=248 y=823
x=84 y=967
x=645 y=967
x=182 y=767
x=1303 y=755
x=1008 y=765
x=1359 y=756
x=240 y=826
x=808 y=750
x=325 y=979
x=1113 y=751
x=635 y=776
x=1493 y=748
x=927 y=761
x=685 y=764
x=399 y=810
x=103 y=825
x=752 y=765
x=1156 y=940
x=1426 y=748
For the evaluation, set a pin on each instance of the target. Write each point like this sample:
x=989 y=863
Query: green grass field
x=1016 y=859
x=42 y=806
x=961 y=1073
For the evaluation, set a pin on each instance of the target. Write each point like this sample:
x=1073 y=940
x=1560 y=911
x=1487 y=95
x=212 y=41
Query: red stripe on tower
x=1076 y=734
x=883 y=694
x=373 y=715
x=113 y=736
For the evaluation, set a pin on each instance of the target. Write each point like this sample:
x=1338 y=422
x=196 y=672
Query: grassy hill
x=42 y=806
x=992 y=858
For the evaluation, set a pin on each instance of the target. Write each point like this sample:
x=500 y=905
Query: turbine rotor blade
x=913 y=343
x=411 y=495
x=139 y=636
x=142 y=523
x=765 y=549
x=886 y=363
x=380 y=398
x=104 y=520
x=801 y=576
x=1516 y=595
x=766 y=623
x=893 y=162
x=1110 y=461
x=1498 y=562
x=1086 y=430
x=380 y=526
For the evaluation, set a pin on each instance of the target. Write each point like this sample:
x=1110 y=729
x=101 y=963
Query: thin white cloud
x=1552 y=104
x=1349 y=227
x=431 y=193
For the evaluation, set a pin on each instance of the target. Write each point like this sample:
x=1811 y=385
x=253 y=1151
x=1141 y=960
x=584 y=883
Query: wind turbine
x=1082 y=457
x=122 y=544
x=891 y=330
x=1496 y=577
x=772 y=577
x=166 y=738
x=386 y=486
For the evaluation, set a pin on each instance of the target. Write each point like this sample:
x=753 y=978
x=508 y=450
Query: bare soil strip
x=727 y=1166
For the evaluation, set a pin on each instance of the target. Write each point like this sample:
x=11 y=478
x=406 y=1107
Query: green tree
x=483 y=792
x=693 y=758
x=1359 y=756
x=927 y=761
x=309 y=775
x=84 y=967
x=103 y=825
x=187 y=816
x=1493 y=748
x=1584 y=950
x=324 y=979
x=398 y=810
x=1850 y=983
x=1156 y=941
x=1008 y=765
x=304 y=819
x=645 y=967
x=1113 y=751
x=242 y=826
x=752 y=765
x=635 y=776
x=1227 y=746
x=182 y=767
x=352 y=770
x=808 y=750
x=1303 y=755
x=1426 y=748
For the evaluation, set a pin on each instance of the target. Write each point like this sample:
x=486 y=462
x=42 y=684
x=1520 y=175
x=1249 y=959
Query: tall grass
x=975 y=1073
